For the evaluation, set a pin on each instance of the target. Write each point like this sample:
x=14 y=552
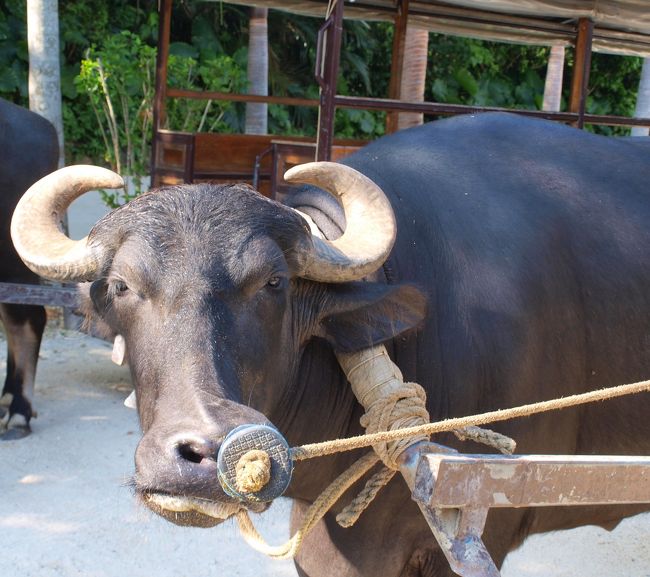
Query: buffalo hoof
x=16 y=433
x=13 y=427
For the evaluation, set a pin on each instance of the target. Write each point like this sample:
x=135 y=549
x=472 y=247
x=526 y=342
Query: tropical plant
x=187 y=69
x=118 y=78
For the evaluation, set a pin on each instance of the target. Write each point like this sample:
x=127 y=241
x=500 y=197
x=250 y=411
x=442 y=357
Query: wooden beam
x=581 y=67
x=46 y=295
x=164 y=26
x=232 y=97
x=397 y=61
x=457 y=481
x=328 y=56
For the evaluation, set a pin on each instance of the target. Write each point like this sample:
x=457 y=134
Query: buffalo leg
x=24 y=327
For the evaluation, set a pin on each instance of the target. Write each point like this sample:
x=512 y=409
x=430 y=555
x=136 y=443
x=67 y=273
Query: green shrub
x=118 y=79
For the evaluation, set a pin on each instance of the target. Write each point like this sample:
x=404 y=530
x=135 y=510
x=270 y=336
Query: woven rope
x=363 y=465
x=315 y=512
x=327 y=448
x=349 y=515
x=253 y=471
x=395 y=419
x=404 y=407
x=487 y=437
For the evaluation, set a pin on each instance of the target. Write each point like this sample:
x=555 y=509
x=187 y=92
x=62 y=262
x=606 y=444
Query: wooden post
x=397 y=61
x=164 y=26
x=581 y=66
x=328 y=55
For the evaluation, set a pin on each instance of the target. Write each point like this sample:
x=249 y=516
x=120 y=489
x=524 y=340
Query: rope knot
x=253 y=471
x=404 y=407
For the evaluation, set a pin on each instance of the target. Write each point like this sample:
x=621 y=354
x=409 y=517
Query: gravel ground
x=66 y=509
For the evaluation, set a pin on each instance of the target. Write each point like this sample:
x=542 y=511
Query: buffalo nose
x=195 y=448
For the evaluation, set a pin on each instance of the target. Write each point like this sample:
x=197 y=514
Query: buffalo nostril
x=196 y=450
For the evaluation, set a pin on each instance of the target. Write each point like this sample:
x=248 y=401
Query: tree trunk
x=642 y=109
x=553 y=84
x=44 y=65
x=414 y=74
x=258 y=71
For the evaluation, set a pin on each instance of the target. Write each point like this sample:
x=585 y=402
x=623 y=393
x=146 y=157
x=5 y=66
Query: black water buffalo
x=30 y=150
x=520 y=272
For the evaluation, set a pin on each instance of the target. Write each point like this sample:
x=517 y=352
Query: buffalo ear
x=361 y=315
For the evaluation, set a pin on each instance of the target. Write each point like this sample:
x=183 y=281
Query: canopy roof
x=620 y=26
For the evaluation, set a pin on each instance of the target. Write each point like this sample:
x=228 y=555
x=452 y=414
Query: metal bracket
x=455 y=492
x=457 y=530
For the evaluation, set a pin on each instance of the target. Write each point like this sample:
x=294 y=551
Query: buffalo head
x=218 y=293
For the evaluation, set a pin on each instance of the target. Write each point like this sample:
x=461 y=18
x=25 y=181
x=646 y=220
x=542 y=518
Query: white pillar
x=44 y=64
x=642 y=109
x=258 y=71
x=553 y=84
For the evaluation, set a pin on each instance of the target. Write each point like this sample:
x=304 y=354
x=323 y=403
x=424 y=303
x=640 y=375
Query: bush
x=118 y=78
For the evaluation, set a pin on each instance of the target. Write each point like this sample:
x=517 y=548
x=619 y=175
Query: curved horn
x=370 y=232
x=35 y=224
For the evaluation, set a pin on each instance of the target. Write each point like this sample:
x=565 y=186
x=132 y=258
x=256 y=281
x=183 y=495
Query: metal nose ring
x=243 y=440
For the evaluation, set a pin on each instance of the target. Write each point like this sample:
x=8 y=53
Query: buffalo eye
x=120 y=288
x=275 y=282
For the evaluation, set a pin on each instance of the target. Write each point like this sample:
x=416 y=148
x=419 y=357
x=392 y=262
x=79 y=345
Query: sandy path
x=66 y=509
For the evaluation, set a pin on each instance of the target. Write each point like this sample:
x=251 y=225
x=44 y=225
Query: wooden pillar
x=397 y=61
x=328 y=56
x=164 y=25
x=581 y=67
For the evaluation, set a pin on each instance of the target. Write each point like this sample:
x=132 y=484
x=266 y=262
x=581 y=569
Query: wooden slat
x=233 y=97
x=581 y=67
x=472 y=481
x=46 y=295
x=225 y=158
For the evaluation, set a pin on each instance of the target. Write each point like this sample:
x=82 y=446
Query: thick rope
x=487 y=437
x=327 y=448
x=351 y=513
x=404 y=407
x=253 y=471
x=314 y=514
x=363 y=465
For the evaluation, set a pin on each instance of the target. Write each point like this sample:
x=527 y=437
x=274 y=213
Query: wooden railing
x=259 y=160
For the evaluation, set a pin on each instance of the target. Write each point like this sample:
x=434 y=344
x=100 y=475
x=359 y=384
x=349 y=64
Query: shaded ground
x=66 y=508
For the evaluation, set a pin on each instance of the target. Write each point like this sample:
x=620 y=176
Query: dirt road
x=66 y=509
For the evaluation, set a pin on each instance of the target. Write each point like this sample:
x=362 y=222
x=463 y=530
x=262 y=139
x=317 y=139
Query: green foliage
x=108 y=55
x=476 y=72
x=118 y=79
x=613 y=85
x=189 y=70
x=14 y=63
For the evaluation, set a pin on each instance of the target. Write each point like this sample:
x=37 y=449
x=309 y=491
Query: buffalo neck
x=318 y=406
